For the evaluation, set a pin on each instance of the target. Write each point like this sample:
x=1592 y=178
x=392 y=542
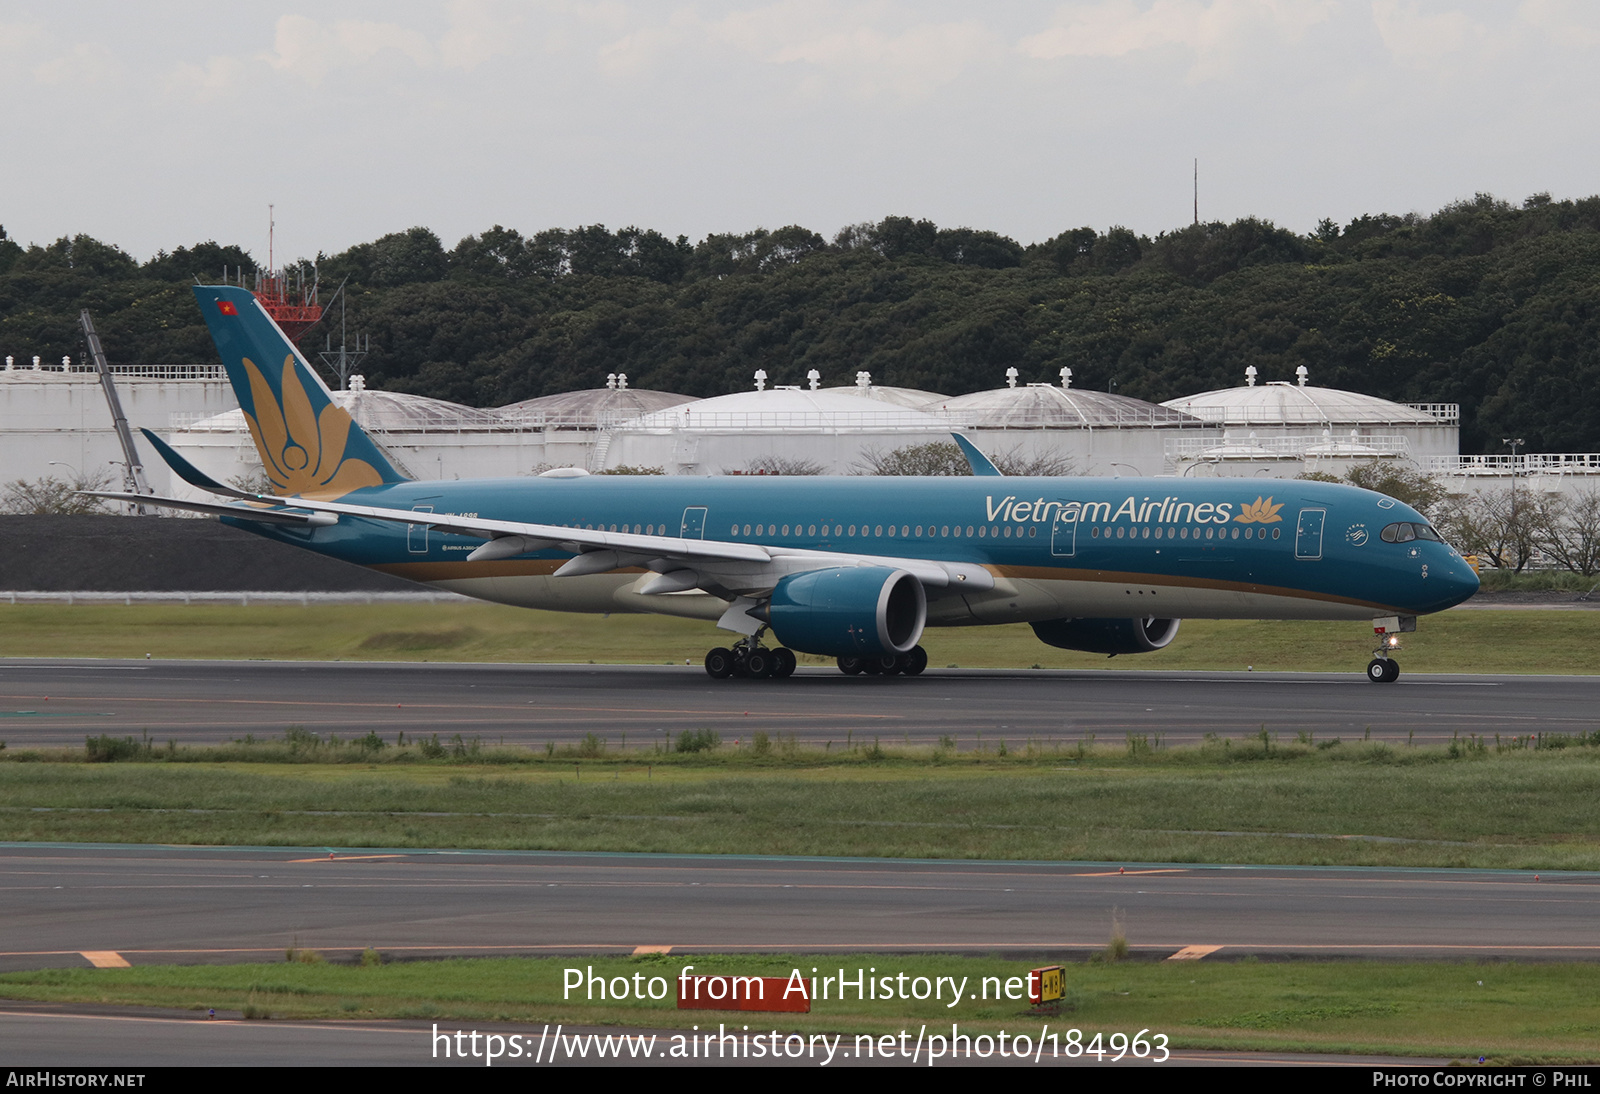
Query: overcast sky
x=163 y=123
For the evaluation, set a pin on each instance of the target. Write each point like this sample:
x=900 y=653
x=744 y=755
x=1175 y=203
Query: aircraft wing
x=718 y=566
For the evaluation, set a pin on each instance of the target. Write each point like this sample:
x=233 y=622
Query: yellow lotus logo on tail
x=1259 y=512
x=303 y=451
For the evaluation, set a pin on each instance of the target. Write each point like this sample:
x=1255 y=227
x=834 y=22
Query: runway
x=59 y=702
x=158 y=905
x=70 y=906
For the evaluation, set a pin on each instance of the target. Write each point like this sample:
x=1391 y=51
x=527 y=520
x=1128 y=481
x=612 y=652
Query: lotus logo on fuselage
x=1167 y=510
x=1259 y=512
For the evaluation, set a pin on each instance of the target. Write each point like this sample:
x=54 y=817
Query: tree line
x=1485 y=303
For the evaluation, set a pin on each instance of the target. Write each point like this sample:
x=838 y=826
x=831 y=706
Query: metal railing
x=1535 y=463
x=1095 y=417
x=1290 y=447
x=150 y=372
x=1311 y=414
x=544 y=421
x=1445 y=412
x=890 y=419
x=809 y=421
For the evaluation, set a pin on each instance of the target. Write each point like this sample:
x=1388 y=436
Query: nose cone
x=1449 y=582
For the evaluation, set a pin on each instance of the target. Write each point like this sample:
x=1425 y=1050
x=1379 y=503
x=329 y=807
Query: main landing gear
x=749 y=658
x=904 y=664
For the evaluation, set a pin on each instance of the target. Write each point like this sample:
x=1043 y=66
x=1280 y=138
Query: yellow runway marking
x=105 y=959
x=1193 y=953
x=652 y=949
x=344 y=858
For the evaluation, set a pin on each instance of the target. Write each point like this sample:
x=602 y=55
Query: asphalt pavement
x=61 y=701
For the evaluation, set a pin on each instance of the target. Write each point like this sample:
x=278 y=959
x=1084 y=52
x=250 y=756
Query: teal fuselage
x=1058 y=547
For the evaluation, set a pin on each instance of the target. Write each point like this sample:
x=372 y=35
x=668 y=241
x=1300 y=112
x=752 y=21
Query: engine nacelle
x=849 y=611
x=1109 y=636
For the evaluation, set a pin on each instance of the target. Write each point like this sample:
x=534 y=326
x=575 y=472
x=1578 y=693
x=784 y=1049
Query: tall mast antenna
x=271 y=226
x=1197 y=189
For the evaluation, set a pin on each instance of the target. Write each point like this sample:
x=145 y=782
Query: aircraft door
x=1308 y=534
x=694 y=522
x=417 y=534
x=1064 y=534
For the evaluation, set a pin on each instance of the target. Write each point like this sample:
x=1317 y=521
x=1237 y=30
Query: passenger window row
x=1395 y=533
x=1172 y=532
x=904 y=531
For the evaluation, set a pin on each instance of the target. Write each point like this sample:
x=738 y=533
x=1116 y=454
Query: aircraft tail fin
x=308 y=443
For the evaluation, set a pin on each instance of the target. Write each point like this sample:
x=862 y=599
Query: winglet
x=976 y=460
x=188 y=472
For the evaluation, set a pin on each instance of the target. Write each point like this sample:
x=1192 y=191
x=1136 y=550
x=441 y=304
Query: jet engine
x=1109 y=636
x=849 y=611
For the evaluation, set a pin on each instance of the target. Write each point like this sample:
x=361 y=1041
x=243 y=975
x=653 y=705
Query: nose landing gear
x=1383 y=669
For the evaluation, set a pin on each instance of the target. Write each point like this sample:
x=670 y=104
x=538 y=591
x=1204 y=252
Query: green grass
x=1466 y=641
x=1510 y=1013
x=1537 y=581
x=1228 y=801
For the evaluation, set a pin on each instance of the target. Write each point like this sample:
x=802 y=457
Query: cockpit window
x=1405 y=532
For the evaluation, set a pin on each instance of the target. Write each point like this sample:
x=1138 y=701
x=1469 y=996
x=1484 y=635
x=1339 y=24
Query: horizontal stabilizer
x=266 y=516
x=188 y=472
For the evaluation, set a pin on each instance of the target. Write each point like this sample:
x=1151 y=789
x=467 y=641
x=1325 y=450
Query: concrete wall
x=63 y=417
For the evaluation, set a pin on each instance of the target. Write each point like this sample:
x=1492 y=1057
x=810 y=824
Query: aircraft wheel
x=719 y=663
x=784 y=663
x=915 y=661
x=1381 y=670
x=872 y=666
x=1394 y=672
x=758 y=664
x=888 y=665
x=850 y=666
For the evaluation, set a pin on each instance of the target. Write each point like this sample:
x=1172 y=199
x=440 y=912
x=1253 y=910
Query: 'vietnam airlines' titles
x=1135 y=510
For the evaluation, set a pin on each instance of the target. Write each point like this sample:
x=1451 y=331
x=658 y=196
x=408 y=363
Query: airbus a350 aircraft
x=852 y=568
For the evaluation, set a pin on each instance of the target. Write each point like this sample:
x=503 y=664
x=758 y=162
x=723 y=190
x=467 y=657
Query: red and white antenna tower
x=295 y=310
